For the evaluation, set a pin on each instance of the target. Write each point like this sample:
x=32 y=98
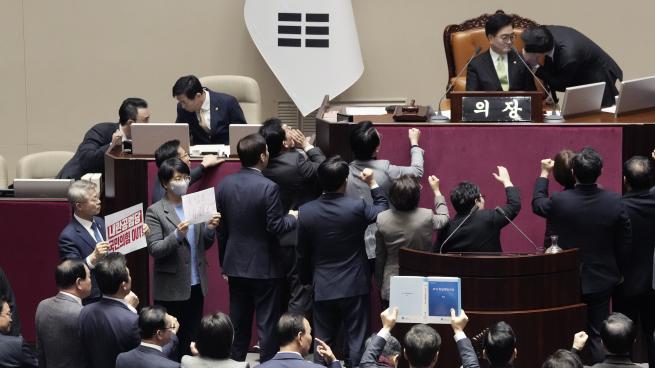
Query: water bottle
x=554 y=248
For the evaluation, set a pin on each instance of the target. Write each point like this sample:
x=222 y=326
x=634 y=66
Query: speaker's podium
x=537 y=294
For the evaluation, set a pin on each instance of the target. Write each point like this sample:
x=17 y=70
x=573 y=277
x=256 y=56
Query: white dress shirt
x=205 y=110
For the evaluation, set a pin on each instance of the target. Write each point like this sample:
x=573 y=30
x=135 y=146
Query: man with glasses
x=499 y=68
x=474 y=228
x=14 y=351
x=157 y=329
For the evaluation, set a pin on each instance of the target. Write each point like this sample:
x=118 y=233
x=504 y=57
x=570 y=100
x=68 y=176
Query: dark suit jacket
x=615 y=361
x=172 y=265
x=578 y=60
x=158 y=191
x=481 y=74
x=372 y=353
x=144 y=357
x=636 y=262
x=90 y=155
x=293 y=360
x=107 y=328
x=331 y=247
x=57 y=317
x=76 y=243
x=225 y=110
x=592 y=220
x=252 y=218
x=5 y=289
x=15 y=352
x=481 y=232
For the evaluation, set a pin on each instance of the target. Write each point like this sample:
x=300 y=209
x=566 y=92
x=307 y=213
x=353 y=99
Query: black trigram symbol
x=290 y=33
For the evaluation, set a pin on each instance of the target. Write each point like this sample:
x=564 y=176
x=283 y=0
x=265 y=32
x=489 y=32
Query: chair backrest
x=4 y=174
x=461 y=40
x=42 y=165
x=244 y=89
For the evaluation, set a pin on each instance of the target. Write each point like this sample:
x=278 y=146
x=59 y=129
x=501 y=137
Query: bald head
x=618 y=334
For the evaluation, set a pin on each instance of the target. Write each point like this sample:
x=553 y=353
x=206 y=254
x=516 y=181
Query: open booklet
x=425 y=299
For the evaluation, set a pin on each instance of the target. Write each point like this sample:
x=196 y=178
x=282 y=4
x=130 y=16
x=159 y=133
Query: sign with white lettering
x=498 y=109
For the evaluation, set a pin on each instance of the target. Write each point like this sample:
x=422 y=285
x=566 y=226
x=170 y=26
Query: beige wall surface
x=67 y=64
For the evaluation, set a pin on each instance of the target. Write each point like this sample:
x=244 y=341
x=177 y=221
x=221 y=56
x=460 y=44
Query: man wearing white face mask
x=178 y=248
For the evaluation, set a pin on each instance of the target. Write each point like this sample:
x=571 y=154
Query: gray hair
x=80 y=190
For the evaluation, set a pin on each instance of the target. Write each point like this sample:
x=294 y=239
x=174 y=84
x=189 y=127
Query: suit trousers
x=598 y=309
x=353 y=314
x=188 y=313
x=260 y=297
x=640 y=309
x=293 y=296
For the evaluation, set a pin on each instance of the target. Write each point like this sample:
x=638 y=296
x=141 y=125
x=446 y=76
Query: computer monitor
x=583 y=99
x=636 y=94
x=41 y=188
x=146 y=138
x=238 y=132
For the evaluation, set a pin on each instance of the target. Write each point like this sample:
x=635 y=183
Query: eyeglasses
x=507 y=37
x=186 y=155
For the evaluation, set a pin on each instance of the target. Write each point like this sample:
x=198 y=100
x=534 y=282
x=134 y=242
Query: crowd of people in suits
x=301 y=235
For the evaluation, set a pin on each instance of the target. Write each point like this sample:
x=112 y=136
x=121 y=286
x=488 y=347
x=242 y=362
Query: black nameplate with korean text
x=498 y=109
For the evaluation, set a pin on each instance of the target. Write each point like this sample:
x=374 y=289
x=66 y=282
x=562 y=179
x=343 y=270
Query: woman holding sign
x=178 y=248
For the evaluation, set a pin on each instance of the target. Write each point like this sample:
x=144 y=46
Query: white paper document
x=199 y=206
x=366 y=110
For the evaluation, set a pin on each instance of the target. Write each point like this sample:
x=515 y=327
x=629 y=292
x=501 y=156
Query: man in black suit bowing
x=332 y=254
x=499 y=69
x=635 y=297
x=570 y=59
x=594 y=221
x=208 y=113
x=252 y=219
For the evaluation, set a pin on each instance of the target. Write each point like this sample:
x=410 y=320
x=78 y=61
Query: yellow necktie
x=501 y=70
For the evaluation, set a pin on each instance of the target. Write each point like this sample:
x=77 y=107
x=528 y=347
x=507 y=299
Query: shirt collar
x=153 y=346
x=77 y=299
x=206 y=105
x=131 y=308
x=551 y=53
x=495 y=55
x=86 y=223
x=253 y=168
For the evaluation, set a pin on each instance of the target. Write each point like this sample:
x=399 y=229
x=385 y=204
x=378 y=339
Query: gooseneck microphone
x=439 y=117
x=502 y=212
x=473 y=210
x=555 y=117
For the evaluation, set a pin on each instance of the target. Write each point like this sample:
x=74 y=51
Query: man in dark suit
x=14 y=351
x=594 y=221
x=84 y=237
x=294 y=334
x=252 y=219
x=635 y=297
x=570 y=59
x=207 y=113
x=111 y=325
x=157 y=330
x=332 y=255
x=479 y=228
x=5 y=289
x=295 y=173
x=58 y=316
x=90 y=155
x=499 y=69
x=618 y=333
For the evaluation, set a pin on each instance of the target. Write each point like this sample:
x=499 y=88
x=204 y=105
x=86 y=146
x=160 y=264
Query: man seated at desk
x=90 y=155
x=570 y=59
x=499 y=69
x=208 y=113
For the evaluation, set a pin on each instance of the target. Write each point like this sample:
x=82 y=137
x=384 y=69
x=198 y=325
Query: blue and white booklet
x=425 y=299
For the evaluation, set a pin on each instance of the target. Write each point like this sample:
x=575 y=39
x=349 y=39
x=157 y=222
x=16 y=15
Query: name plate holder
x=496 y=106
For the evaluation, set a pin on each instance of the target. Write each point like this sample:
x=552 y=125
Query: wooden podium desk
x=537 y=294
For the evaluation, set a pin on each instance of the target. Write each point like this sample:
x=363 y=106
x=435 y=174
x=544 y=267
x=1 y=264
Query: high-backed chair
x=42 y=165
x=4 y=174
x=461 y=40
x=244 y=89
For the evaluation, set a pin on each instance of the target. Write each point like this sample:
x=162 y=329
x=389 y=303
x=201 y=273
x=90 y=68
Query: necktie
x=96 y=233
x=501 y=70
x=203 y=121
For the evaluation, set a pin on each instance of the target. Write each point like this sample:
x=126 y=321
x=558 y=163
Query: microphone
x=555 y=117
x=502 y=212
x=439 y=117
x=471 y=212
